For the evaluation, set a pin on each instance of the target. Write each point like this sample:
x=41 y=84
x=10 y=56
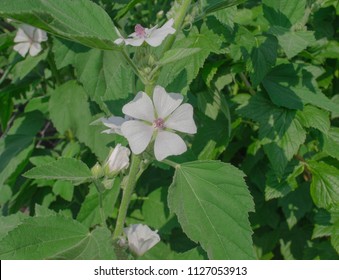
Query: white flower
x=159 y=121
x=153 y=36
x=28 y=39
x=118 y=160
x=141 y=238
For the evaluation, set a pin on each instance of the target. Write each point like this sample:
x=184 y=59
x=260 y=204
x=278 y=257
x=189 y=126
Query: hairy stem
x=127 y=194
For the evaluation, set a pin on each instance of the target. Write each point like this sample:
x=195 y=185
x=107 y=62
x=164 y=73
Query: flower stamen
x=159 y=123
x=140 y=31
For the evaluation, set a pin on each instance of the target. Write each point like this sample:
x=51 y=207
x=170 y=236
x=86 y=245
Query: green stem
x=127 y=194
x=179 y=19
x=102 y=212
x=149 y=87
x=131 y=63
x=170 y=163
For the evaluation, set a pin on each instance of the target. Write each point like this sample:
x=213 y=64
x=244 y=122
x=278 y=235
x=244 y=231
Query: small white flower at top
x=117 y=161
x=153 y=36
x=158 y=120
x=28 y=39
x=141 y=238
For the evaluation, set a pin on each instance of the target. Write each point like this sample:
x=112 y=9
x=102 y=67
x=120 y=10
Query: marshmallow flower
x=118 y=159
x=141 y=238
x=153 y=36
x=28 y=39
x=158 y=120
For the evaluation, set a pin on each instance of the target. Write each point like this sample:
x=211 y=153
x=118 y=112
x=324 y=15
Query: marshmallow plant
x=114 y=169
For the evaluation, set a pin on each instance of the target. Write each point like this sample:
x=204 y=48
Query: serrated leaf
x=204 y=190
x=284 y=13
x=81 y=20
x=331 y=142
x=280 y=131
x=55 y=237
x=262 y=59
x=176 y=54
x=292 y=86
x=293 y=42
x=314 y=117
x=295 y=205
x=9 y=223
x=104 y=75
x=176 y=77
x=69 y=169
x=277 y=186
x=325 y=185
x=69 y=109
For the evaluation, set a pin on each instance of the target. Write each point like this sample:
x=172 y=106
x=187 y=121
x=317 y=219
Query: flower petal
x=114 y=123
x=138 y=135
x=136 y=42
x=39 y=35
x=141 y=107
x=165 y=103
x=168 y=144
x=35 y=49
x=28 y=30
x=158 y=35
x=22 y=48
x=21 y=36
x=119 y=41
x=182 y=119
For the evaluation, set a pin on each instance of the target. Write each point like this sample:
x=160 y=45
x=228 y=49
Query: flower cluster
x=155 y=121
x=28 y=39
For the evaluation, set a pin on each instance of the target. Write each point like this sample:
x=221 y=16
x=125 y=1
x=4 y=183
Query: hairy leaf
x=204 y=190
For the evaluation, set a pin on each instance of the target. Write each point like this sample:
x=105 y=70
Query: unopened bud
x=97 y=171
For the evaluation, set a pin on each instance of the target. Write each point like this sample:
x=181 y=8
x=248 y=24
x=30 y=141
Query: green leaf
x=295 y=205
x=293 y=42
x=89 y=213
x=69 y=169
x=292 y=86
x=204 y=190
x=24 y=67
x=210 y=6
x=280 y=131
x=55 y=237
x=325 y=185
x=226 y=16
x=18 y=144
x=70 y=110
x=160 y=219
x=11 y=222
x=81 y=20
x=65 y=52
x=176 y=77
x=104 y=75
x=311 y=116
x=277 y=186
x=262 y=59
x=331 y=142
x=284 y=13
x=64 y=189
x=174 y=55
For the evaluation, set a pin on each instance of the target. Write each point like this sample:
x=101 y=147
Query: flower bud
x=97 y=171
x=118 y=160
x=141 y=238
